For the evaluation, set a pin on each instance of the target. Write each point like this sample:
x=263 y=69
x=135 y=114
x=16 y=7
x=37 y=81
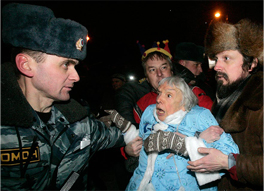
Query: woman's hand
x=211 y=134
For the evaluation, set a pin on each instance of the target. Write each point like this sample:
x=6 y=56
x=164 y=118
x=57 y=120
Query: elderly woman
x=176 y=111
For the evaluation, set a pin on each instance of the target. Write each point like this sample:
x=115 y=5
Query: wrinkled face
x=117 y=83
x=156 y=70
x=229 y=67
x=54 y=78
x=169 y=101
x=194 y=67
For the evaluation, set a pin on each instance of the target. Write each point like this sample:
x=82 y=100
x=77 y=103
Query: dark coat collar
x=16 y=111
x=251 y=98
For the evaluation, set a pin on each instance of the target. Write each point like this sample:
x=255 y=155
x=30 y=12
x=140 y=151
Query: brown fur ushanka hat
x=245 y=36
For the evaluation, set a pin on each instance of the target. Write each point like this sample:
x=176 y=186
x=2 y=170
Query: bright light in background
x=217 y=14
x=211 y=63
x=87 y=38
x=131 y=77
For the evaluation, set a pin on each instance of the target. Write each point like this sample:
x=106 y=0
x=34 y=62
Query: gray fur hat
x=36 y=28
x=244 y=36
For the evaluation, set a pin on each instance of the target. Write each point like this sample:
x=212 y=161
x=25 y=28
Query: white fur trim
x=192 y=144
x=160 y=126
x=150 y=187
x=149 y=171
x=131 y=134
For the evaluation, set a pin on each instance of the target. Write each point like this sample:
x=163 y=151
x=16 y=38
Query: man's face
x=228 y=67
x=194 y=67
x=169 y=101
x=54 y=78
x=117 y=83
x=229 y=70
x=156 y=70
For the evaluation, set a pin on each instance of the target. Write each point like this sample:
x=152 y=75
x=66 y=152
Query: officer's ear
x=182 y=62
x=23 y=64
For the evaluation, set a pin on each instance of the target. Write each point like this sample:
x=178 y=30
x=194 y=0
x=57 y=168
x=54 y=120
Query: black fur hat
x=189 y=51
x=36 y=28
x=119 y=76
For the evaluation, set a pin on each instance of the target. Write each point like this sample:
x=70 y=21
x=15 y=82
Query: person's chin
x=222 y=81
x=65 y=97
x=161 y=116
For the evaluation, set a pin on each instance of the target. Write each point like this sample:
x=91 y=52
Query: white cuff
x=192 y=144
x=131 y=134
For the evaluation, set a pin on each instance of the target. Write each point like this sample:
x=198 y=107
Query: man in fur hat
x=47 y=139
x=238 y=53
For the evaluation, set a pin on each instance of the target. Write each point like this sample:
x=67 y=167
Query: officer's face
x=54 y=78
x=194 y=67
x=156 y=70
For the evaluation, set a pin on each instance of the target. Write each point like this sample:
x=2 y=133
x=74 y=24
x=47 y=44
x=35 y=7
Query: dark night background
x=115 y=26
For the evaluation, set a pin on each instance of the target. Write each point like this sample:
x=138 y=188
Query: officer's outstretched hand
x=115 y=117
x=106 y=120
x=165 y=140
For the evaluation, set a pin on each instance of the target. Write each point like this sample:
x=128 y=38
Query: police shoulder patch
x=11 y=157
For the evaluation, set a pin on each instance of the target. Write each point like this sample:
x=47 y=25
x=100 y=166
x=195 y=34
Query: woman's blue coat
x=165 y=175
